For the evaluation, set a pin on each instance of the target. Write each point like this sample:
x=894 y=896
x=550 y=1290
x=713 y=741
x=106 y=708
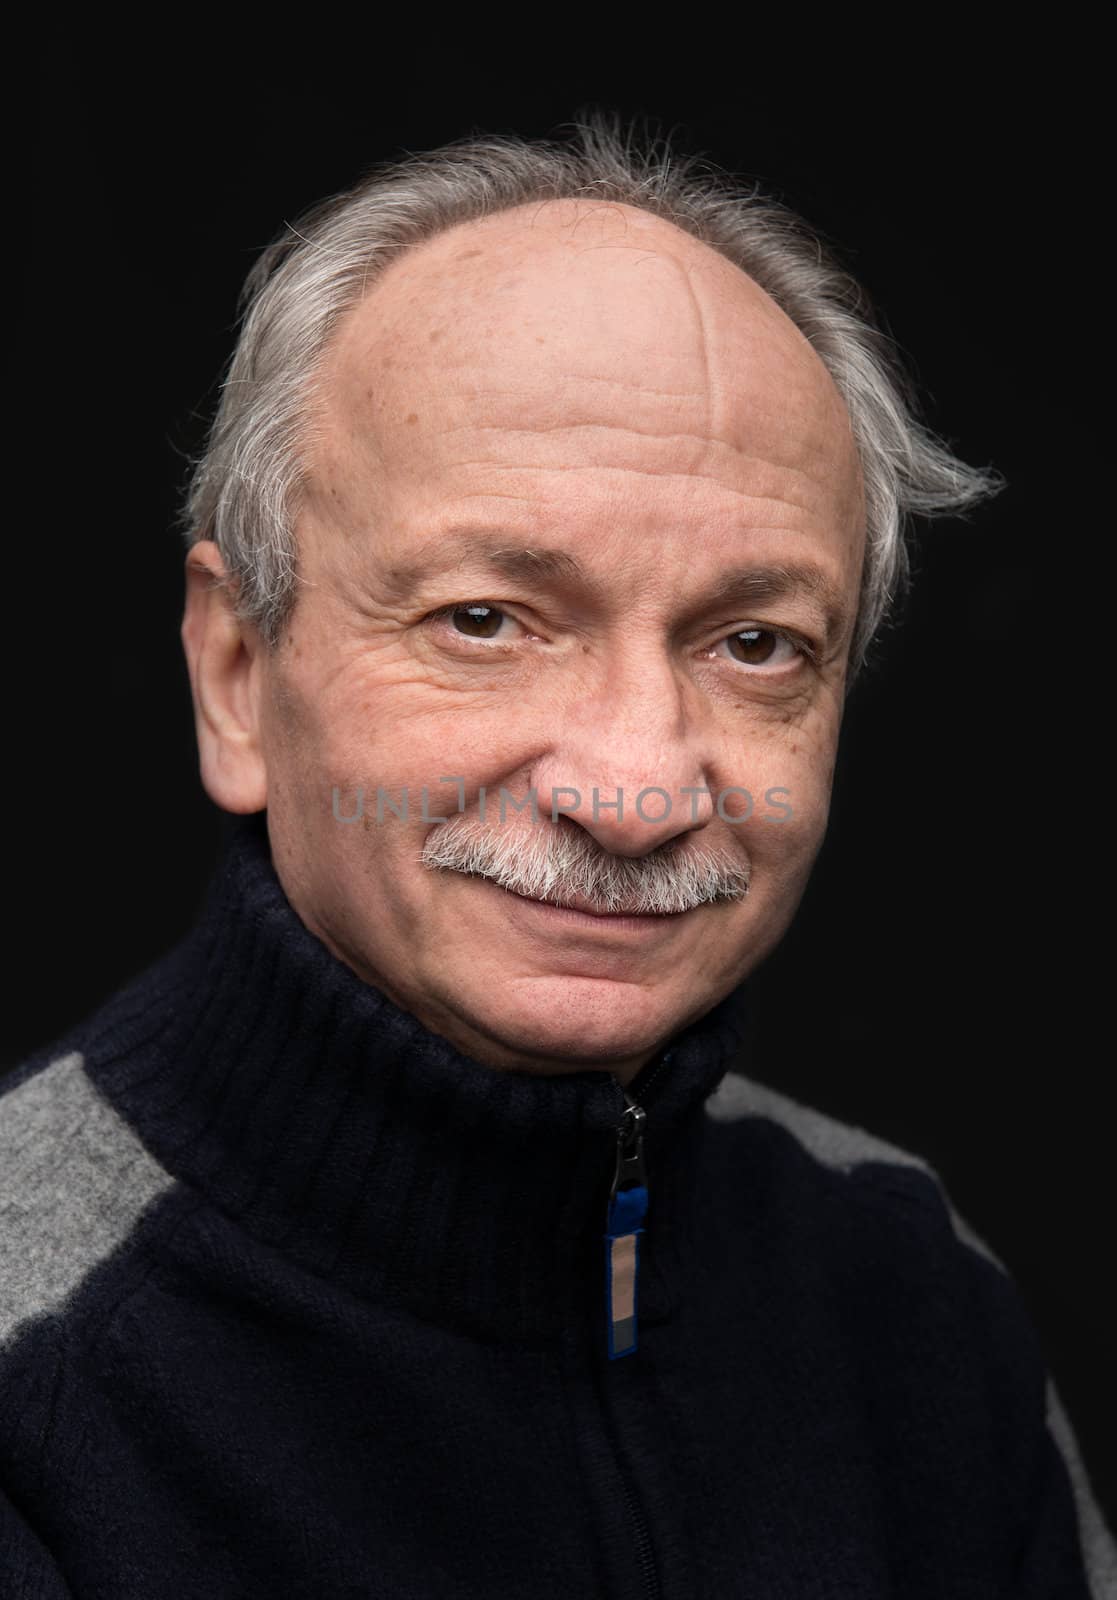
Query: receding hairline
x=779 y=330
x=661 y=232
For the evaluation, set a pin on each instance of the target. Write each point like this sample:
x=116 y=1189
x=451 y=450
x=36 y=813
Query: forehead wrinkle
x=753 y=428
x=689 y=478
x=815 y=460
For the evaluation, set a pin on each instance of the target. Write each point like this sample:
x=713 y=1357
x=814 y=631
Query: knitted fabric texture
x=297 y=1300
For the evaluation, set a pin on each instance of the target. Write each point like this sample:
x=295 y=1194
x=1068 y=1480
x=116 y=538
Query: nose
x=631 y=758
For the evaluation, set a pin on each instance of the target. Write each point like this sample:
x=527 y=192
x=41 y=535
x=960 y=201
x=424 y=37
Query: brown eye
x=754 y=645
x=760 y=647
x=478 y=621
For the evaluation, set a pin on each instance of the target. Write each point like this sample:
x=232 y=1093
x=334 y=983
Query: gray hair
x=244 y=490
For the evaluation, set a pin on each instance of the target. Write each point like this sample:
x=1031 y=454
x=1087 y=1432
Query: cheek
x=388 y=737
x=781 y=821
x=787 y=778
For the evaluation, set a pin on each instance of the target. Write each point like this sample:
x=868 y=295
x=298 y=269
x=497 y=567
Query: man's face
x=583 y=382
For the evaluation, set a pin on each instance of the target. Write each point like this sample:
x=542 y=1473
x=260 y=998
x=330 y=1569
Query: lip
x=577 y=918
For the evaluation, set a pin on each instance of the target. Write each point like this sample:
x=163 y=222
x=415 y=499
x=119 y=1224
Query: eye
x=760 y=647
x=476 y=619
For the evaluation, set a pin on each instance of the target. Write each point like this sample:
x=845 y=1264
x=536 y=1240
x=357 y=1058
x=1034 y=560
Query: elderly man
x=416 y=1227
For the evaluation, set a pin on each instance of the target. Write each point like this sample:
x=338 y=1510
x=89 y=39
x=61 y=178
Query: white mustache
x=567 y=868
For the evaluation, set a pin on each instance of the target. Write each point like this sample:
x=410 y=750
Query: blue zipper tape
x=622 y=1261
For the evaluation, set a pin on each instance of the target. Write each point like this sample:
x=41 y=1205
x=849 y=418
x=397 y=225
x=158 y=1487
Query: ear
x=223 y=658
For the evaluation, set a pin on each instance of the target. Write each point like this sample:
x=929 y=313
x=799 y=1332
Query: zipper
x=649 y=1577
x=624 y=1222
x=628 y=1203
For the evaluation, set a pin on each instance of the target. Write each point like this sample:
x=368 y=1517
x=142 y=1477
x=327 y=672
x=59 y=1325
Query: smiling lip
x=583 y=911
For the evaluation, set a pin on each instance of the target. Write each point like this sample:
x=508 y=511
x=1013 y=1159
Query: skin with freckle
x=585 y=379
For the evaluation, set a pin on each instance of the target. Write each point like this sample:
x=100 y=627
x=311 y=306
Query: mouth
x=576 y=909
x=589 y=909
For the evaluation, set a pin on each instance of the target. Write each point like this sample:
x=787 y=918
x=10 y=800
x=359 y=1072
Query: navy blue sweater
x=296 y=1300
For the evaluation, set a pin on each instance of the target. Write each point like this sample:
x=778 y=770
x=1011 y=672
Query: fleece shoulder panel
x=74 y=1180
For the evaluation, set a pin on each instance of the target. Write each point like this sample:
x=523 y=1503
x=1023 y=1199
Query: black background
x=937 y=985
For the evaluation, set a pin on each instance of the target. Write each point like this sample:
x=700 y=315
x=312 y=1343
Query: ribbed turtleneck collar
x=336 y=1128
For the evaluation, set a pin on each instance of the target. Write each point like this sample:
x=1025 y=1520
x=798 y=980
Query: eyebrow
x=775 y=581
x=741 y=588
x=518 y=563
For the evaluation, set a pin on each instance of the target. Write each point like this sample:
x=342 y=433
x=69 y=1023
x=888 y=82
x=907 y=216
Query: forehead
x=573 y=335
x=569 y=267
x=593 y=285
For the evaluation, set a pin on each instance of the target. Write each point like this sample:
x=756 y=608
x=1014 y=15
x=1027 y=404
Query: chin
x=587 y=1020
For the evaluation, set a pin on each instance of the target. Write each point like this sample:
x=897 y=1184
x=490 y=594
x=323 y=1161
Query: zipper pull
x=628 y=1204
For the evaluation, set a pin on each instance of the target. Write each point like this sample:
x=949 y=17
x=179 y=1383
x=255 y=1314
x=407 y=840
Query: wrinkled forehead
x=583 y=305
